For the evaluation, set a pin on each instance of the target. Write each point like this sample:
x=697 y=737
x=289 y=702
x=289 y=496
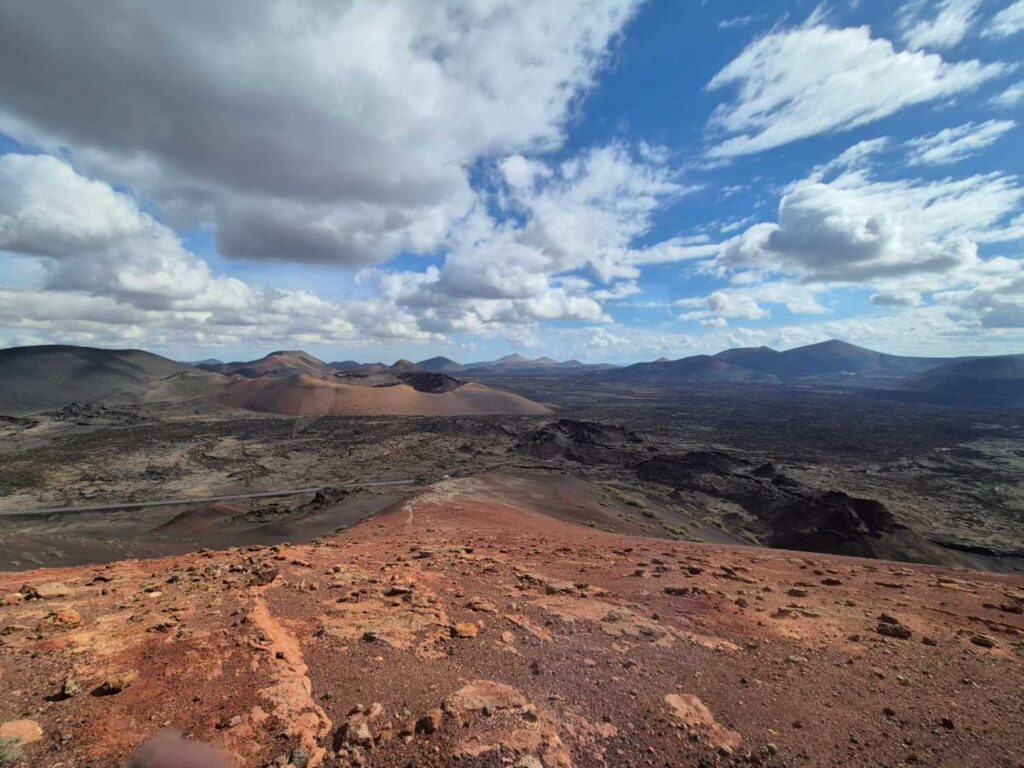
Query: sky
x=605 y=180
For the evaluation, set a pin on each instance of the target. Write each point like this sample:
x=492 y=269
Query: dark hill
x=1001 y=376
x=828 y=358
x=440 y=365
x=42 y=378
x=281 y=363
x=700 y=368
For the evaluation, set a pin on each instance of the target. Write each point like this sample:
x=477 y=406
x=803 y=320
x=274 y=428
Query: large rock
x=485 y=694
x=23 y=731
x=48 y=591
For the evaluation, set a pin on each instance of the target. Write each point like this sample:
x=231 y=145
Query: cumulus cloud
x=308 y=131
x=953 y=144
x=1009 y=21
x=562 y=227
x=936 y=25
x=111 y=269
x=915 y=241
x=797 y=83
x=746 y=302
x=855 y=228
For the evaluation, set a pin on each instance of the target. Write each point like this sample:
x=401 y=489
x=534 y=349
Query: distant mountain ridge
x=1000 y=376
x=831 y=357
x=287 y=382
x=830 y=360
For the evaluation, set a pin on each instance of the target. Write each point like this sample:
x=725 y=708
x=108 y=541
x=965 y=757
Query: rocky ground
x=462 y=627
x=950 y=477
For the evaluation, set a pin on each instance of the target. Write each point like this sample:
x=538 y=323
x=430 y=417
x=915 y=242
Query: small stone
x=897 y=631
x=831 y=582
x=889 y=712
x=67 y=618
x=528 y=761
x=299 y=758
x=947 y=722
x=465 y=629
x=70 y=687
x=482 y=604
x=430 y=722
x=985 y=641
x=117 y=682
x=357 y=731
x=797 y=592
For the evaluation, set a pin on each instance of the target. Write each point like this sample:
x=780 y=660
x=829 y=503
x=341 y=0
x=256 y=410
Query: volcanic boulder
x=587 y=442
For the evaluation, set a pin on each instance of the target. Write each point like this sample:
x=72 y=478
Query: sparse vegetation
x=10 y=752
x=752 y=538
x=625 y=498
x=677 y=530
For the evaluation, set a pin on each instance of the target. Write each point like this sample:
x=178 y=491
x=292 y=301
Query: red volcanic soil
x=469 y=627
x=309 y=396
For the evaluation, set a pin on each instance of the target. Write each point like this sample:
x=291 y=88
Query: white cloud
x=746 y=302
x=730 y=305
x=797 y=83
x=338 y=132
x=582 y=216
x=1009 y=21
x=112 y=271
x=1011 y=97
x=947 y=26
x=914 y=241
x=854 y=228
x=737 y=21
x=953 y=144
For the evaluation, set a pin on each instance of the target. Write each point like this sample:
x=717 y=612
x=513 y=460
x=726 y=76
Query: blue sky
x=604 y=180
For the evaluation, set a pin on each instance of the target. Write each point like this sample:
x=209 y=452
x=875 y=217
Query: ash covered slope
x=467 y=628
x=829 y=358
x=1001 y=376
x=283 y=363
x=414 y=394
x=41 y=378
x=700 y=368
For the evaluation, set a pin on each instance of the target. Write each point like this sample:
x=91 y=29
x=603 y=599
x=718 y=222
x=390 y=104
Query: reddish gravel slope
x=466 y=628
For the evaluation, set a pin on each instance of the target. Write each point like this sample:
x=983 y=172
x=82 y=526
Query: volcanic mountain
x=1001 y=376
x=34 y=379
x=688 y=369
x=42 y=378
x=441 y=365
x=832 y=357
x=284 y=363
x=832 y=360
x=311 y=396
